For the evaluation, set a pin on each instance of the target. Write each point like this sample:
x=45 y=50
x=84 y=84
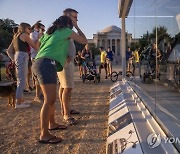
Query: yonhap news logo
x=154 y=140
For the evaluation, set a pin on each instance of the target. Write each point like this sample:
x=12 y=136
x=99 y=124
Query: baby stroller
x=11 y=71
x=91 y=74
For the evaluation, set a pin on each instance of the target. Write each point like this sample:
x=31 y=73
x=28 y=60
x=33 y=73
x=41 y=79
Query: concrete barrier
x=131 y=127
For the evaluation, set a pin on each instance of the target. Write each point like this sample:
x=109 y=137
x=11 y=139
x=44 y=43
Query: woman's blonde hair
x=87 y=45
x=22 y=28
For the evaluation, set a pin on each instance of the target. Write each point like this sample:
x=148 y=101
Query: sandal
x=71 y=121
x=74 y=112
x=53 y=140
x=59 y=127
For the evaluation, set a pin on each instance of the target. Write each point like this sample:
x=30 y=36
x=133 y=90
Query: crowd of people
x=85 y=56
x=45 y=57
x=50 y=55
x=134 y=59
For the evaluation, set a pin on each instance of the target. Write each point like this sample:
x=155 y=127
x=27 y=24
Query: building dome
x=109 y=29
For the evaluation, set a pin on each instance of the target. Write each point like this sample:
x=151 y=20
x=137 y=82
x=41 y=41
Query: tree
x=144 y=40
x=6 y=32
x=94 y=49
x=79 y=46
x=148 y=38
x=161 y=34
x=134 y=46
x=92 y=46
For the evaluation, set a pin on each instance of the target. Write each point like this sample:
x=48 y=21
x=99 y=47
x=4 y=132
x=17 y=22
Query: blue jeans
x=44 y=70
x=21 y=62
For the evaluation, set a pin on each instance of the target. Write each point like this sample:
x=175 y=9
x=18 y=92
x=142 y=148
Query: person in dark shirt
x=152 y=58
x=86 y=56
x=109 y=59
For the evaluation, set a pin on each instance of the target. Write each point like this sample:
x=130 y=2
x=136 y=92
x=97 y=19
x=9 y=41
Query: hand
x=75 y=24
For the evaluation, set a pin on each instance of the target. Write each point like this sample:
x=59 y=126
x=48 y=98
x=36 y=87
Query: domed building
x=111 y=37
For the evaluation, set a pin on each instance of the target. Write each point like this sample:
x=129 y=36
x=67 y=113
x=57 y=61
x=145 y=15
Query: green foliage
x=147 y=38
x=161 y=33
x=79 y=47
x=134 y=46
x=6 y=32
x=144 y=41
x=95 y=51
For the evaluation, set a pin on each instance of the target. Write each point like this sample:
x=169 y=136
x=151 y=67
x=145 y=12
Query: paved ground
x=19 y=129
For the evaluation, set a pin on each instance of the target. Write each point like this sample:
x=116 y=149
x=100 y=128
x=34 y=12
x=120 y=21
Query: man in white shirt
x=66 y=77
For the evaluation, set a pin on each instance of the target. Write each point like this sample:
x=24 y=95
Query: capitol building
x=111 y=37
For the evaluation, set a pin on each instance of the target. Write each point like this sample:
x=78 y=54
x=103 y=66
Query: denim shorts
x=44 y=70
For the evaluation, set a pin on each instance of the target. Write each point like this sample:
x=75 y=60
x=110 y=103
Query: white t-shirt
x=71 y=50
x=34 y=37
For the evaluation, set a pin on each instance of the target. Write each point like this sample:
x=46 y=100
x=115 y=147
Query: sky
x=144 y=15
x=95 y=15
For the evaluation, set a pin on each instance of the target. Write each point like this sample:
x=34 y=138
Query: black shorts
x=103 y=65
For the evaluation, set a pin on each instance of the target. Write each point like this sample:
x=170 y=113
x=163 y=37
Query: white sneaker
x=23 y=105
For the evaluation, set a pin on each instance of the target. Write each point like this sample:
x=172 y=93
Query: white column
x=100 y=42
x=106 y=44
x=123 y=48
x=115 y=46
x=111 y=43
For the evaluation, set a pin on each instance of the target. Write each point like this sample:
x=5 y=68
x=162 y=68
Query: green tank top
x=55 y=46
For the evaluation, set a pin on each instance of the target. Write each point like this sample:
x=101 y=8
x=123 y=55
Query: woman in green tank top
x=51 y=58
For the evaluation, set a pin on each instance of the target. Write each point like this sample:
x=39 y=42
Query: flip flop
x=52 y=140
x=59 y=127
x=71 y=121
x=74 y=112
